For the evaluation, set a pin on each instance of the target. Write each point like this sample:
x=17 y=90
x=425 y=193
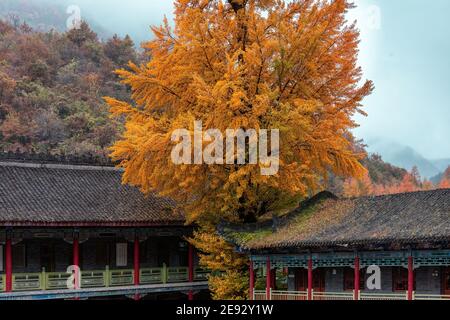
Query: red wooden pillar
x=357 y=280
x=8 y=266
x=252 y=280
x=191 y=269
x=136 y=265
x=76 y=260
x=273 y=278
x=136 y=261
x=410 y=278
x=268 y=279
x=310 y=279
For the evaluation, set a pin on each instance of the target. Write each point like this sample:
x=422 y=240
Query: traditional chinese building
x=56 y=213
x=372 y=248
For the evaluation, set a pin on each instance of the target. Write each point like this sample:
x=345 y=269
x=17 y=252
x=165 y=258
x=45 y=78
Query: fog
x=408 y=60
x=132 y=17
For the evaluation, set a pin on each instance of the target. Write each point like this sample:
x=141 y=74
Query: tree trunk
x=237 y=4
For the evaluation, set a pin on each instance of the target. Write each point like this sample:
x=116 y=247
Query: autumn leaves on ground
x=250 y=64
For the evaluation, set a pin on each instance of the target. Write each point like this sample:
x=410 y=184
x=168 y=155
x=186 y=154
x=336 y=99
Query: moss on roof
x=325 y=220
x=248 y=237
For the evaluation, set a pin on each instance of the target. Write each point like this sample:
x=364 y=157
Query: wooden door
x=301 y=280
x=319 y=280
x=47 y=255
x=446 y=281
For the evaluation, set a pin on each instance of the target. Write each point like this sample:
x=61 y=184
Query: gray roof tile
x=68 y=195
x=327 y=221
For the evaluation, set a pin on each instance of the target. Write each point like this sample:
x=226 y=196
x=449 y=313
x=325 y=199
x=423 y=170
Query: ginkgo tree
x=249 y=64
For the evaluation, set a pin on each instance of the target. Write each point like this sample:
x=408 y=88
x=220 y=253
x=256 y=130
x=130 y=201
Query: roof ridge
x=396 y=194
x=58 y=166
x=62 y=159
x=35 y=194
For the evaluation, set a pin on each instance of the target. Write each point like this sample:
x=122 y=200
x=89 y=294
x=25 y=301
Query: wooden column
x=136 y=262
x=252 y=280
x=410 y=278
x=310 y=279
x=8 y=266
x=76 y=260
x=356 y=286
x=136 y=266
x=191 y=269
x=273 y=278
x=268 y=279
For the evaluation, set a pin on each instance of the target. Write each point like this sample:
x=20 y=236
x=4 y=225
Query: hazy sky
x=405 y=50
x=407 y=55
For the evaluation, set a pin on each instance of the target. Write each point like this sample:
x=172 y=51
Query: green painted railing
x=102 y=278
x=27 y=281
x=179 y=274
x=55 y=281
x=120 y=278
x=201 y=274
x=93 y=279
x=152 y=275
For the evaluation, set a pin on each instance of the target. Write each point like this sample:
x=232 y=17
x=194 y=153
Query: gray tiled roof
x=77 y=195
x=417 y=217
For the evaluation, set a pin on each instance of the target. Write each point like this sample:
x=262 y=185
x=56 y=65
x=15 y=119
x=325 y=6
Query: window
x=121 y=254
x=19 y=256
x=349 y=279
x=400 y=279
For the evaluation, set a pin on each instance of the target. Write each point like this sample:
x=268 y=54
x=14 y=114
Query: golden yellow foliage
x=259 y=64
x=230 y=272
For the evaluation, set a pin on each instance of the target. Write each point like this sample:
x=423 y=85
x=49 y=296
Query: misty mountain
x=106 y=18
x=406 y=157
x=40 y=16
x=45 y=15
x=437 y=178
x=441 y=164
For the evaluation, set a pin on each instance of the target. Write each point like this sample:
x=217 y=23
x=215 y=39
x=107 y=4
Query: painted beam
x=346 y=259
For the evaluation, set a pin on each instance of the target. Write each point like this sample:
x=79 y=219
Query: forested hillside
x=51 y=89
x=51 y=101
